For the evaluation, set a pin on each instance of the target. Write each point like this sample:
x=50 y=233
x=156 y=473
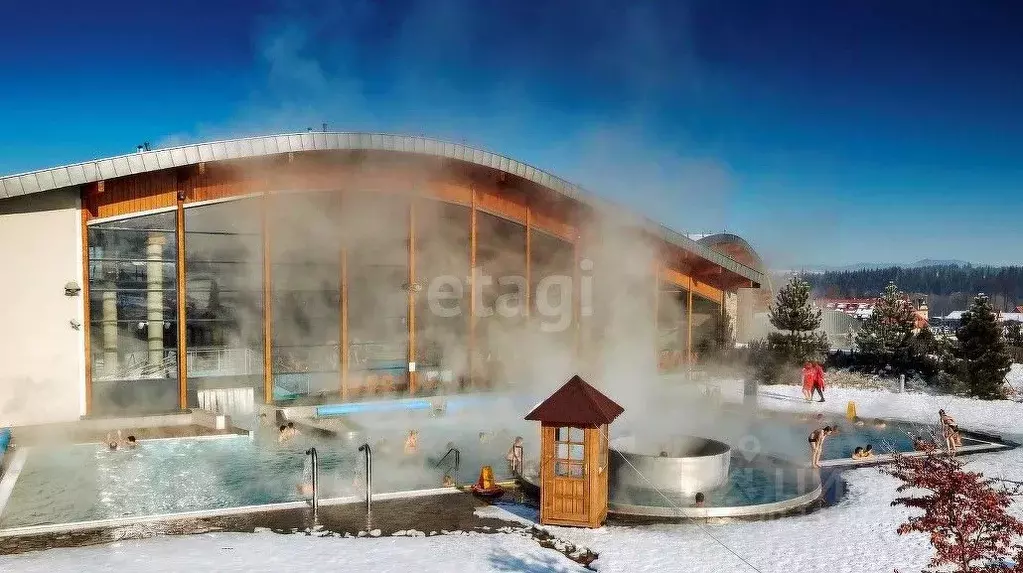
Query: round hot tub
x=680 y=467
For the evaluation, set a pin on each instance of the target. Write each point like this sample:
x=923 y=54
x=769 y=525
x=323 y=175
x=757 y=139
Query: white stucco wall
x=41 y=355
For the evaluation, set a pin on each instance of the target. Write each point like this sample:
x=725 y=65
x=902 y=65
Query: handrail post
x=369 y=475
x=316 y=491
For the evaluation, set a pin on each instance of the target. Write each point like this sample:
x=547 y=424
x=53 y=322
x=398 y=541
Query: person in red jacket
x=809 y=378
x=818 y=381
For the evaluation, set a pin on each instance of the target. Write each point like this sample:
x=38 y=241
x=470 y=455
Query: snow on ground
x=856 y=535
x=270 y=552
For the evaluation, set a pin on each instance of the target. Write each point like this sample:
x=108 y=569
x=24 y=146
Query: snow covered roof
x=958 y=315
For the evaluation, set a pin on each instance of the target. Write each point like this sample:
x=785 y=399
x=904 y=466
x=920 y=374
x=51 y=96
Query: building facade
x=323 y=267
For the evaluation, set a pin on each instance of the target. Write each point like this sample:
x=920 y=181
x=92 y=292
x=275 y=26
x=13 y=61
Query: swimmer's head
x=131 y=439
x=291 y=425
x=283 y=428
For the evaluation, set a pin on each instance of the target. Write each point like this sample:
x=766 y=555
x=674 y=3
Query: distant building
x=862 y=308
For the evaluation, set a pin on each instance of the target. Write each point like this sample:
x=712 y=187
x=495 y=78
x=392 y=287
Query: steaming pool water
x=66 y=484
x=87 y=482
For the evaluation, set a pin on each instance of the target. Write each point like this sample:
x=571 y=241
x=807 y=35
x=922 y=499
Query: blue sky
x=823 y=132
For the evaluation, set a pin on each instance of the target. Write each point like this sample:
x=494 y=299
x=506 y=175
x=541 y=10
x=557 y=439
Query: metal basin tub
x=691 y=465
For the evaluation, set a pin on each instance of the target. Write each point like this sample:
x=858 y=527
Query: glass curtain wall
x=706 y=320
x=551 y=270
x=442 y=303
x=501 y=310
x=133 y=310
x=305 y=270
x=224 y=297
x=376 y=240
x=671 y=326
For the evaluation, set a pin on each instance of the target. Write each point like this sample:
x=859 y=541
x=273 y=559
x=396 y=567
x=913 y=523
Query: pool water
x=895 y=436
x=88 y=482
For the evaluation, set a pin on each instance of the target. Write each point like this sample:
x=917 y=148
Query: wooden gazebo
x=573 y=459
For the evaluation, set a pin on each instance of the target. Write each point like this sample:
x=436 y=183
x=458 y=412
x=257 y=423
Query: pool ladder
x=369 y=476
x=458 y=458
x=316 y=490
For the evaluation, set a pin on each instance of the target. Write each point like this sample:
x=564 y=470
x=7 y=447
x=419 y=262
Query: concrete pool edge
x=849 y=463
x=10 y=477
x=220 y=512
x=758 y=510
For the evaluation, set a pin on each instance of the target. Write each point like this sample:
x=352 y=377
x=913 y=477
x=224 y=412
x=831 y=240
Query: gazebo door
x=566 y=474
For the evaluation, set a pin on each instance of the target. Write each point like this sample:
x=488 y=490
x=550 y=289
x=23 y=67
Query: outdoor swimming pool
x=88 y=482
x=67 y=484
x=895 y=436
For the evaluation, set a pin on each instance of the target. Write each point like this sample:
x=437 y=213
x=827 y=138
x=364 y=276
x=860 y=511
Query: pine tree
x=889 y=327
x=964 y=514
x=982 y=350
x=798 y=321
x=1014 y=334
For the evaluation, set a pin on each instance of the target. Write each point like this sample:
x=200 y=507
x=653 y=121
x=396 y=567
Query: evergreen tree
x=982 y=350
x=1014 y=334
x=798 y=321
x=888 y=330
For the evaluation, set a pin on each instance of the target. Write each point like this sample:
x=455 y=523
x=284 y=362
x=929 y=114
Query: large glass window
x=442 y=302
x=375 y=236
x=671 y=326
x=706 y=319
x=552 y=268
x=224 y=297
x=501 y=308
x=133 y=313
x=305 y=270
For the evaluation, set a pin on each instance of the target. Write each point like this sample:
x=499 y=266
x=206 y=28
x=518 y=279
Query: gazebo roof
x=576 y=403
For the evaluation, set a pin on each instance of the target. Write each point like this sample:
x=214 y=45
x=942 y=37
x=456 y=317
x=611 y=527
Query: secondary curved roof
x=158 y=159
x=734 y=243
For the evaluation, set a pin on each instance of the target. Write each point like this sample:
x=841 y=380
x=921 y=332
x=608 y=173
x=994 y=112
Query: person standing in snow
x=809 y=375
x=818 y=381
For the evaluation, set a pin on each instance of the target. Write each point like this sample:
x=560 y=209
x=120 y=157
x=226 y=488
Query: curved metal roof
x=729 y=238
x=147 y=161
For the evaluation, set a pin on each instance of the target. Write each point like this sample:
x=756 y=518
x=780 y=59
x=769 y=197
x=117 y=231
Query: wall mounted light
x=75 y=324
x=72 y=289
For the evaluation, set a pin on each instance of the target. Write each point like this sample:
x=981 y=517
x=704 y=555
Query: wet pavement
x=430 y=515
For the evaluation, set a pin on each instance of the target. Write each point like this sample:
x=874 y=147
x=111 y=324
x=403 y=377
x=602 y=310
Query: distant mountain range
x=867 y=266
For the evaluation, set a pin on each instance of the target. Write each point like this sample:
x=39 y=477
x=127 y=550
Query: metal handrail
x=458 y=458
x=369 y=475
x=316 y=490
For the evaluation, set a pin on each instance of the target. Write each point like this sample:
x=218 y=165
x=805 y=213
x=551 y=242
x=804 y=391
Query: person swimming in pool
x=700 y=499
x=857 y=453
x=922 y=445
x=412 y=442
x=283 y=435
x=868 y=452
x=113 y=443
x=132 y=443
